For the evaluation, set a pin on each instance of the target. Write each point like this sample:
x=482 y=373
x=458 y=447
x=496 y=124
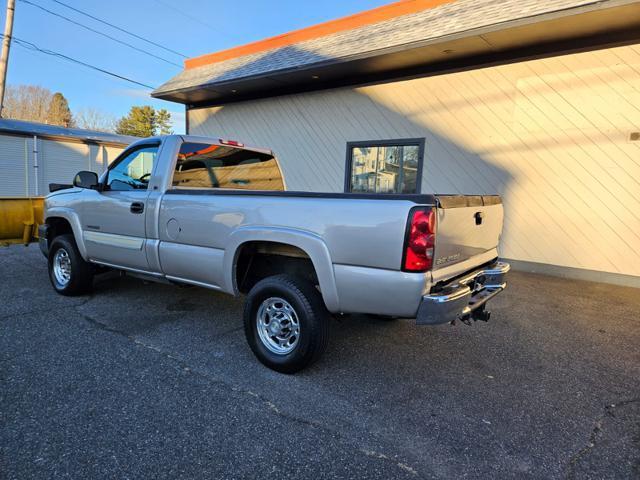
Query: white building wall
x=109 y=155
x=551 y=135
x=58 y=162
x=14 y=166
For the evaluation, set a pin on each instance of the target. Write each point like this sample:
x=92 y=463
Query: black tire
x=311 y=314
x=81 y=273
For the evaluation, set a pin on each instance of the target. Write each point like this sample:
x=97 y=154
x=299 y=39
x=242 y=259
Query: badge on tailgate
x=450 y=258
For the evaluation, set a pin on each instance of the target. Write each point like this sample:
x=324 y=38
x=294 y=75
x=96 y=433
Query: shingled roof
x=433 y=22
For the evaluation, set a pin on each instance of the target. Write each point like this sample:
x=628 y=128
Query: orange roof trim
x=380 y=14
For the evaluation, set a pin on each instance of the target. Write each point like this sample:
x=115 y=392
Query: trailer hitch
x=479 y=313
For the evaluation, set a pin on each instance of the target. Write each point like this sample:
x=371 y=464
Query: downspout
x=35 y=163
x=26 y=166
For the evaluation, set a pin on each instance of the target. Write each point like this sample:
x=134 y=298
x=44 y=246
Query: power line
x=119 y=28
x=185 y=14
x=35 y=48
x=100 y=33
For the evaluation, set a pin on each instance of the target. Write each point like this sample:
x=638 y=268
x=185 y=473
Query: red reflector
x=232 y=143
x=420 y=241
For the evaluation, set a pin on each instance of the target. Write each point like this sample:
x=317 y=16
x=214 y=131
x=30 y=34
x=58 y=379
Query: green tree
x=145 y=121
x=59 y=112
x=163 y=122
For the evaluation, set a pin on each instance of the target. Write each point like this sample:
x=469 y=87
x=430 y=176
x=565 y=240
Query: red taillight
x=232 y=143
x=420 y=241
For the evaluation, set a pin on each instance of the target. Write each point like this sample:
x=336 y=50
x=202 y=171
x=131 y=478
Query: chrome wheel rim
x=62 y=267
x=278 y=325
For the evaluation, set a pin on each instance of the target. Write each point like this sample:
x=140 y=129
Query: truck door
x=113 y=219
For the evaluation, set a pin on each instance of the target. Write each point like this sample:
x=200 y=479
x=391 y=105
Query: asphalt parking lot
x=141 y=380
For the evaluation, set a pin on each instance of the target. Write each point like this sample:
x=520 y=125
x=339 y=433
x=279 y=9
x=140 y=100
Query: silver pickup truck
x=216 y=214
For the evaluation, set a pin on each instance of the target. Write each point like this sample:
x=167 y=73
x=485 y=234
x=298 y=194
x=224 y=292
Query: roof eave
x=613 y=21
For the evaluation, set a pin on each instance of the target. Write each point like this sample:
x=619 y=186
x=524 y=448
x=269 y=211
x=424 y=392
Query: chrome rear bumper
x=460 y=299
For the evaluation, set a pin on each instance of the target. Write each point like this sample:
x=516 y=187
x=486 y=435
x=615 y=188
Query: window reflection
x=201 y=165
x=384 y=169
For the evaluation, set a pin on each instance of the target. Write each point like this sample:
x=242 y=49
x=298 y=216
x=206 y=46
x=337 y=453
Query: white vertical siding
x=13 y=166
x=551 y=135
x=58 y=162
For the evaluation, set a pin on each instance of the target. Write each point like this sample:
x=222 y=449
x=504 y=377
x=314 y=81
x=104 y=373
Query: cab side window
x=132 y=172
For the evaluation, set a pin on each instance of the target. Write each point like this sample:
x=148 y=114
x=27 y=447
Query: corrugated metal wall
x=552 y=135
x=58 y=162
x=14 y=166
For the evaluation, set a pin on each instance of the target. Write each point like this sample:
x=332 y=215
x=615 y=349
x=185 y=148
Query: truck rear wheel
x=286 y=323
x=69 y=273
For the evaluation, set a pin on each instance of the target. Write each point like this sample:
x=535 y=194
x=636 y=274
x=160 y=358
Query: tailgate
x=468 y=226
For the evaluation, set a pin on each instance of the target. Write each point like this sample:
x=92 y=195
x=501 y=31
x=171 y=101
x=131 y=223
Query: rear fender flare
x=310 y=243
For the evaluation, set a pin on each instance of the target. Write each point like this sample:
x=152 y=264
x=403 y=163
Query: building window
x=386 y=166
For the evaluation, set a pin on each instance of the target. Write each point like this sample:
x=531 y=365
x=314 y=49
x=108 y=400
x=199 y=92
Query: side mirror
x=86 y=179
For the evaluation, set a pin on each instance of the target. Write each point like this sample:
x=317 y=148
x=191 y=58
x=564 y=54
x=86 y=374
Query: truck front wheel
x=69 y=273
x=286 y=323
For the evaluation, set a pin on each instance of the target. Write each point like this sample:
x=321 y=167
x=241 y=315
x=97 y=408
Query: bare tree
x=93 y=119
x=27 y=102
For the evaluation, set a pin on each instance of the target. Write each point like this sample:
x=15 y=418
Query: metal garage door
x=13 y=166
x=60 y=161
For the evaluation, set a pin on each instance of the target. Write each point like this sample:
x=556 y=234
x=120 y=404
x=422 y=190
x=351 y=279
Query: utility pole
x=6 y=44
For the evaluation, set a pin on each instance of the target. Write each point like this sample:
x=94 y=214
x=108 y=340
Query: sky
x=190 y=27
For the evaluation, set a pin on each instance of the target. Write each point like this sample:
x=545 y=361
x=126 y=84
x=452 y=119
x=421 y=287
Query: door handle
x=137 y=207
